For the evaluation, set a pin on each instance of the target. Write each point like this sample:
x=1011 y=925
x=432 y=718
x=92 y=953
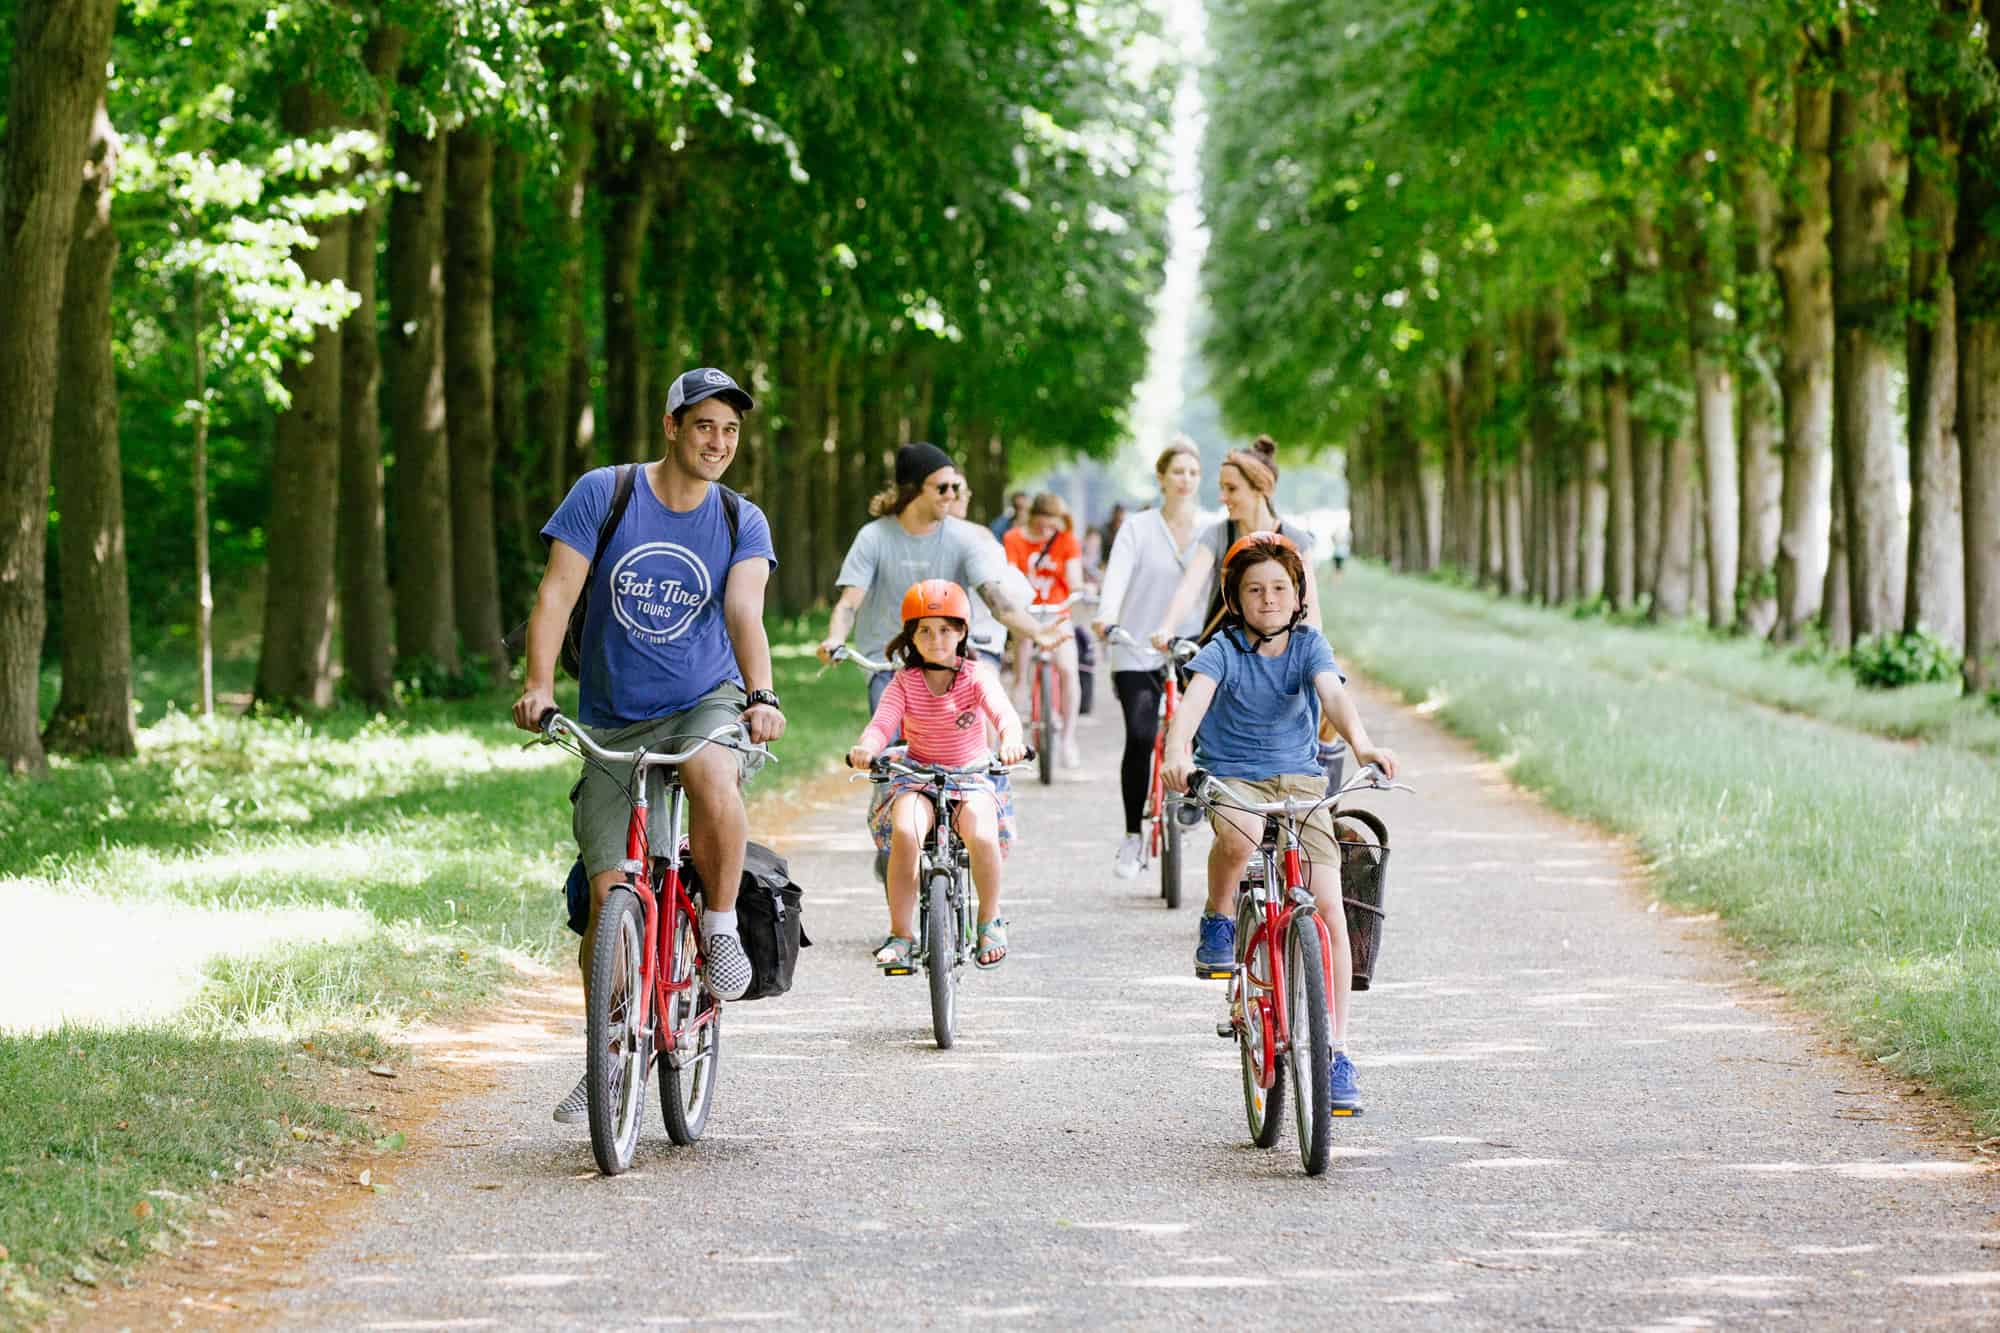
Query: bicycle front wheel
x=614 y=1020
x=1045 y=688
x=1310 y=1053
x=687 y=1078
x=941 y=959
x=1256 y=1039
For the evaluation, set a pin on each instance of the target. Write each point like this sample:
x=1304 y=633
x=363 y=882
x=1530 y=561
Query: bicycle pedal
x=899 y=971
x=1225 y=1030
x=1214 y=973
x=1345 y=1110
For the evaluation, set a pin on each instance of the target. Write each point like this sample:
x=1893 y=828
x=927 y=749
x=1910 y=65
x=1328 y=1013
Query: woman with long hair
x=1148 y=556
x=1247 y=480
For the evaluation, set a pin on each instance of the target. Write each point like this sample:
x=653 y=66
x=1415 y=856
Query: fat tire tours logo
x=658 y=591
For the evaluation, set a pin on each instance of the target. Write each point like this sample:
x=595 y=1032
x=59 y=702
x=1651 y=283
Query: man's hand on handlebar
x=1052 y=636
x=536 y=702
x=826 y=651
x=764 y=723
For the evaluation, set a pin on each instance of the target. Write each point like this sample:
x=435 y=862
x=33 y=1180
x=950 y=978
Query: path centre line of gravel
x=1578 y=1116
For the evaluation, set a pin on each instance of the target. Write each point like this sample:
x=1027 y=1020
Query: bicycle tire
x=1045 y=757
x=941 y=959
x=1263 y=1107
x=1312 y=1070
x=687 y=1089
x=615 y=1063
x=1170 y=861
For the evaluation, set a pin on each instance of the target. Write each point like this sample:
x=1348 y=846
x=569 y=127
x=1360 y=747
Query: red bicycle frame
x=1156 y=794
x=657 y=960
x=1269 y=1007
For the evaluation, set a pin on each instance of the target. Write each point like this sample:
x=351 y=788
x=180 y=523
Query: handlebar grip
x=548 y=715
x=1196 y=778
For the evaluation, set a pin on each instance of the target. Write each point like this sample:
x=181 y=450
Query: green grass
x=434 y=822
x=1861 y=869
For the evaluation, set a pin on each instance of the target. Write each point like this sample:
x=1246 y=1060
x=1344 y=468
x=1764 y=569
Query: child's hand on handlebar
x=1384 y=760
x=1052 y=636
x=859 y=757
x=1012 y=753
x=1176 y=772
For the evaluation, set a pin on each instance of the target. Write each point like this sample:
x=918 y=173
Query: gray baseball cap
x=691 y=386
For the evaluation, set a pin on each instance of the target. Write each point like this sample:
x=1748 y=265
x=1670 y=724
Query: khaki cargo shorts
x=1316 y=838
x=602 y=810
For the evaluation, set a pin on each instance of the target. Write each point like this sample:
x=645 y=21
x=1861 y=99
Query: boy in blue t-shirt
x=1252 y=710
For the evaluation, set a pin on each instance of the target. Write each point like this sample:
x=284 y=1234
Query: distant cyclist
x=1045 y=548
x=1147 y=559
x=673 y=634
x=1251 y=717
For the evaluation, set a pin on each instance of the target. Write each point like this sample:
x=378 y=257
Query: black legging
x=1139 y=696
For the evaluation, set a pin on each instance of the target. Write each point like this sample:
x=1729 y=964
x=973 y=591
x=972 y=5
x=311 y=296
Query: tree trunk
x=1977 y=265
x=94 y=713
x=1620 y=580
x=1867 y=297
x=553 y=408
x=1805 y=374
x=1835 y=612
x=1673 y=586
x=629 y=172
x=1594 y=506
x=468 y=389
x=426 y=624
x=1453 y=548
x=1934 y=596
x=295 y=666
x=1513 y=550
x=61 y=48
x=1551 y=467
x=1714 y=407
x=1759 y=435
x=366 y=630
x=791 y=491
x=515 y=460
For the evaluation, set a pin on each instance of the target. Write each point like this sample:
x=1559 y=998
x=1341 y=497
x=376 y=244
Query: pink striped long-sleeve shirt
x=948 y=728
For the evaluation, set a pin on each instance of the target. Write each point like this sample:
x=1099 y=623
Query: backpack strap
x=732 y=509
x=621 y=496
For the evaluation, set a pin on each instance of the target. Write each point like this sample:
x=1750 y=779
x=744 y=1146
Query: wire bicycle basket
x=1364 y=865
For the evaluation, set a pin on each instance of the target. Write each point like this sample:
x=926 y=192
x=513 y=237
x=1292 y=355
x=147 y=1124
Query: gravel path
x=1577 y=1117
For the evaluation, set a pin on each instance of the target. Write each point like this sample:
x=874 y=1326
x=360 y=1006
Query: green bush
x=1886 y=661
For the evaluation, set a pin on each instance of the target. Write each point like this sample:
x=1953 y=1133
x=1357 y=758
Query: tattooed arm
x=1011 y=614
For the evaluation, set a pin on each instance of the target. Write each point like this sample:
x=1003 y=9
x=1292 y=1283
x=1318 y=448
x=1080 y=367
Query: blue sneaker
x=1217 y=950
x=1341 y=1093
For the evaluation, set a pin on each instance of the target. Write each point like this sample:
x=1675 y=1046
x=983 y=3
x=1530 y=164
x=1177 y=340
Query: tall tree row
x=378 y=281
x=1778 y=402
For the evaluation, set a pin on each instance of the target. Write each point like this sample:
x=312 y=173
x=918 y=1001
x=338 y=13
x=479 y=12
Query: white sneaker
x=1127 y=865
x=1071 y=757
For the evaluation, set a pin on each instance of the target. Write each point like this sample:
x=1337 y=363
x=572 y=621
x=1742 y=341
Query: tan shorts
x=603 y=811
x=1315 y=834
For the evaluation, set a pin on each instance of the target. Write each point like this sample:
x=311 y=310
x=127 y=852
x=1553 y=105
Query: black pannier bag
x=769 y=918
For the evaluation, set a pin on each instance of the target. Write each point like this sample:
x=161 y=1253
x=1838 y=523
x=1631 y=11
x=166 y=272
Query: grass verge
x=1860 y=870
x=434 y=823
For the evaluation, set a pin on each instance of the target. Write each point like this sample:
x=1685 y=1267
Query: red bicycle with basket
x=1281 y=985
x=646 y=1001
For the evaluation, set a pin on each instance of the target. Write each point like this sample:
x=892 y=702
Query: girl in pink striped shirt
x=942 y=700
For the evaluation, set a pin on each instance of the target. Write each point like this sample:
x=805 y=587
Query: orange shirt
x=1045 y=563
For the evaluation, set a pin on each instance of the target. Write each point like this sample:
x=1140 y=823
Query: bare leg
x=1069 y=684
x=718 y=827
x=1228 y=857
x=910 y=823
x=979 y=826
x=1330 y=910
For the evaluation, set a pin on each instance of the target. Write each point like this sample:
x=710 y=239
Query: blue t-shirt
x=1264 y=719
x=654 y=637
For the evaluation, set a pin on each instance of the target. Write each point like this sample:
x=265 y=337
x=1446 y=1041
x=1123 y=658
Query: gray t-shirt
x=885 y=560
x=1217 y=539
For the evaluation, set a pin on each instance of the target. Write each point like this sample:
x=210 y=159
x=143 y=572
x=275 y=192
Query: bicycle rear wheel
x=1255 y=1040
x=687 y=1079
x=1310 y=1054
x=617 y=1036
x=1045 y=690
x=941 y=959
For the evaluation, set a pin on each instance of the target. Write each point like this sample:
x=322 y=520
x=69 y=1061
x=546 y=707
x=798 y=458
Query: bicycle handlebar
x=882 y=767
x=731 y=736
x=1204 y=788
x=862 y=660
x=1183 y=650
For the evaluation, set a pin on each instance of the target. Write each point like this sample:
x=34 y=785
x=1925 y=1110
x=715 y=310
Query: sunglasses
x=949 y=487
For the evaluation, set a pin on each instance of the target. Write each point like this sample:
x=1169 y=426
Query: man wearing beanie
x=913 y=538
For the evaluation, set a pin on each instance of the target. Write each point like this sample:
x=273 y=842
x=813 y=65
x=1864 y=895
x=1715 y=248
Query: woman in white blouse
x=1147 y=560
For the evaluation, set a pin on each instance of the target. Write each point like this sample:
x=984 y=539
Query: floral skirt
x=1001 y=789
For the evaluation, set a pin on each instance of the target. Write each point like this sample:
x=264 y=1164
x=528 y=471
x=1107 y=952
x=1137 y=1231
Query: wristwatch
x=769 y=698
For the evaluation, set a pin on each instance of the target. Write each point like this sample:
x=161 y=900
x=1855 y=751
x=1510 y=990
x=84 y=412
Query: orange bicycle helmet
x=936 y=597
x=1254 y=548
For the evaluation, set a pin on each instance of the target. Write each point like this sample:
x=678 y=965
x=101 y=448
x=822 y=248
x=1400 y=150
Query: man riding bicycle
x=672 y=636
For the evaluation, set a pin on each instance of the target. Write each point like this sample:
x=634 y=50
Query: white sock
x=717 y=922
x=1340 y=1043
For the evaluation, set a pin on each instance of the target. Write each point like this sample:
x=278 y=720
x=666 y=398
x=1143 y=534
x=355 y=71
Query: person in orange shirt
x=1045 y=549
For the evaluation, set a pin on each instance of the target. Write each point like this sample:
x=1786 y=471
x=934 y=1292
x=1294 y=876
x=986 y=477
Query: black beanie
x=916 y=461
